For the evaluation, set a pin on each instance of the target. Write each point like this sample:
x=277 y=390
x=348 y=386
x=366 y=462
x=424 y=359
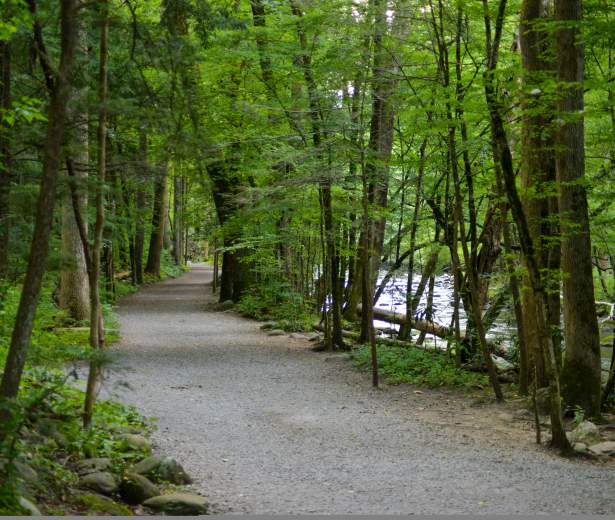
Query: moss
x=99 y=504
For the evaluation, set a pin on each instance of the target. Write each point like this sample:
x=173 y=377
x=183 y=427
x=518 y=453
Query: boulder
x=172 y=471
x=94 y=465
x=183 y=504
x=136 y=489
x=603 y=448
x=162 y=469
x=580 y=447
x=227 y=305
x=276 y=332
x=134 y=442
x=101 y=482
x=586 y=432
x=97 y=504
x=22 y=470
x=502 y=364
x=29 y=506
x=268 y=325
x=147 y=466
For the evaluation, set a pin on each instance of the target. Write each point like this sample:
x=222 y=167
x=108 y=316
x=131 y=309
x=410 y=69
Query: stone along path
x=265 y=425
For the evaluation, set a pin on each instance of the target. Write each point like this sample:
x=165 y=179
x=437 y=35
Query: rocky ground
x=265 y=425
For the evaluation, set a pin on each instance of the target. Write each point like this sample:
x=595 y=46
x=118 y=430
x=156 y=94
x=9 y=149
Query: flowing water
x=504 y=328
x=393 y=299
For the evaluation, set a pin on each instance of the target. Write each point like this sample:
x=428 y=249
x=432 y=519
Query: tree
x=60 y=83
x=582 y=371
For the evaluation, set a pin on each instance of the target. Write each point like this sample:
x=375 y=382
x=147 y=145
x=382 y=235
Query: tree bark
x=61 y=90
x=74 y=294
x=581 y=372
x=97 y=339
x=5 y=157
x=159 y=222
x=537 y=173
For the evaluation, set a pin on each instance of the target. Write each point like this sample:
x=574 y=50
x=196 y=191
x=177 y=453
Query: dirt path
x=267 y=426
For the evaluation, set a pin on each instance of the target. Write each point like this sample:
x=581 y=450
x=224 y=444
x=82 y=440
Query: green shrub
x=416 y=366
x=277 y=301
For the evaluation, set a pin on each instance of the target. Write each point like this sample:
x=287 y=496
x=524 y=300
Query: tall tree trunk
x=140 y=208
x=159 y=222
x=74 y=294
x=504 y=158
x=178 y=235
x=331 y=264
x=39 y=248
x=5 y=156
x=97 y=340
x=581 y=372
x=537 y=172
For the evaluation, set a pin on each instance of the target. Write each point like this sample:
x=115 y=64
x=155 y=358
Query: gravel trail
x=265 y=425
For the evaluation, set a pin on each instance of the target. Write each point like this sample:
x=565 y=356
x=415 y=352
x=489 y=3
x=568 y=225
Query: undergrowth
x=45 y=436
x=277 y=301
x=417 y=366
x=45 y=431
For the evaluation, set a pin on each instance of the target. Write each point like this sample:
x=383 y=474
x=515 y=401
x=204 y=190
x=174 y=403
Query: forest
x=423 y=187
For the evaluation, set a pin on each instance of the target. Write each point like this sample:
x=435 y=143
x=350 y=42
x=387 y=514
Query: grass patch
x=420 y=367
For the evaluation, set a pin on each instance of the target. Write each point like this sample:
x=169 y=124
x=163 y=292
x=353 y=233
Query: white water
x=393 y=299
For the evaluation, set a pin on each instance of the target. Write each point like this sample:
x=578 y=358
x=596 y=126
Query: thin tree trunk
x=61 y=89
x=5 y=157
x=140 y=207
x=97 y=340
x=159 y=222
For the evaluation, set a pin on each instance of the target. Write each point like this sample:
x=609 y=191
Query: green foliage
x=416 y=366
x=280 y=303
x=46 y=430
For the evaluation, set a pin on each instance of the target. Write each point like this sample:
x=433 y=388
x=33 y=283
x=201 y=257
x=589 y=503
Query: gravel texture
x=264 y=425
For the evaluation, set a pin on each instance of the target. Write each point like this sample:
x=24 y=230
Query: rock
x=94 y=465
x=162 y=469
x=29 y=506
x=502 y=364
x=276 y=332
x=172 y=471
x=183 y=504
x=523 y=415
x=268 y=325
x=101 y=482
x=131 y=441
x=52 y=430
x=23 y=471
x=586 y=432
x=227 y=305
x=136 y=489
x=97 y=504
x=580 y=447
x=147 y=466
x=128 y=429
x=506 y=417
x=603 y=448
x=26 y=472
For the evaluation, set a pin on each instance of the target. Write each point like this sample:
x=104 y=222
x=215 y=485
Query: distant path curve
x=264 y=425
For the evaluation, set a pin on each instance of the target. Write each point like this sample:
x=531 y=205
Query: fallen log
x=428 y=327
